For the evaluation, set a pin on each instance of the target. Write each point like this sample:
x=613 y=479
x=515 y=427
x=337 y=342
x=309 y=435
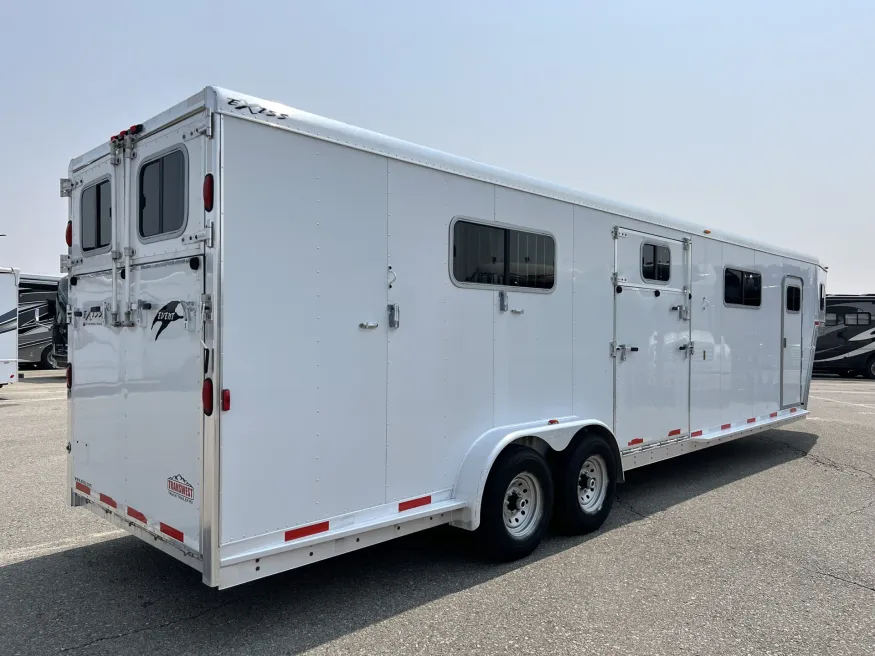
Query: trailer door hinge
x=207 y=128
x=207 y=307
x=616 y=233
x=687 y=243
x=66 y=263
x=66 y=187
x=205 y=236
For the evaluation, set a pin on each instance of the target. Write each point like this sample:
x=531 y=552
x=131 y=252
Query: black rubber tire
x=45 y=361
x=870 y=369
x=570 y=516
x=496 y=542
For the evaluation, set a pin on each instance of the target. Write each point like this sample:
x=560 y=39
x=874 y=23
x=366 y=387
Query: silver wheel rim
x=592 y=484
x=523 y=505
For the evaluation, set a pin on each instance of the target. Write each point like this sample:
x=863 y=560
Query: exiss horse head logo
x=171 y=312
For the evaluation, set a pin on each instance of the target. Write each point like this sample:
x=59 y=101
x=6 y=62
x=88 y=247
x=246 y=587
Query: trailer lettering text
x=257 y=110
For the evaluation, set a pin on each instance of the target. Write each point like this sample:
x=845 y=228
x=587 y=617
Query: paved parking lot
x=762 y=546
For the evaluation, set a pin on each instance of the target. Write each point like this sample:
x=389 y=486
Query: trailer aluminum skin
x=459 y=344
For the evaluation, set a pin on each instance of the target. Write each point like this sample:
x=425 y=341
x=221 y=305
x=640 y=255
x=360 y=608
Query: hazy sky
x=751 y=116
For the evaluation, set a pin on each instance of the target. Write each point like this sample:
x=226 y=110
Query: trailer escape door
x=652 y=346
x=791 y=343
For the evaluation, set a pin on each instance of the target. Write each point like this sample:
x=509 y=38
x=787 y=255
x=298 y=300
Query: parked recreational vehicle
x=36 y=318
x=846 y=345
x=461 y=344
x=8 y=326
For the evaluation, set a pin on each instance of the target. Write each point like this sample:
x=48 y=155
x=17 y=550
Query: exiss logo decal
x=180 y=488
x=171 y=312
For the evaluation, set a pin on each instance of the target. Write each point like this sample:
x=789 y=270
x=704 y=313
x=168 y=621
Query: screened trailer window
x=858 y=319
x=794 y=298
x=162 y=195
x=655 y=263
x=96 y=215
x=489 y=255
x=743 y=288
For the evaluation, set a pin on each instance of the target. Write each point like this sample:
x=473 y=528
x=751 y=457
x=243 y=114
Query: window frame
x=787 y=288
x=163 y=236
x=856 y=321
x=504 y=226
x=743 y=305
x=655 y=244
x=99 y=250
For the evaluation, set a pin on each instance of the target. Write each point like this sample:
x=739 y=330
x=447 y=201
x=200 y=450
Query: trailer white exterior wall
x=8 y=326
x=398 y=382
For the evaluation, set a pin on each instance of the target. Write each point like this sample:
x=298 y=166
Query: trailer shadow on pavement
x=123 y=596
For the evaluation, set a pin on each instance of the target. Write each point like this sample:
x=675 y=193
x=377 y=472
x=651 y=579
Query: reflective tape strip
x=726 y=427
x=136 y=514
x=109 y=501
x=172 y=532
x=83 y=488
x=696 y=433
x=676 y=431
x=306 y=531
x=414 y=503
x=637 y=440
x=751 y=420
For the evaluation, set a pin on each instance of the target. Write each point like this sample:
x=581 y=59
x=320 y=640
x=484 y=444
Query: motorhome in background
x=37 y=297
x=59 y=326
x=461 y=344
x=8 y=325
x=846 y=345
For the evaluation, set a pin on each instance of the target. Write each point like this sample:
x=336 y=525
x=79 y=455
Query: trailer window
x=831 y=319
x=489 y=255
x=858 y=319
x=96 y=215
x=162 y=195
x=822 y=299
x=744 y=288
x=655 y=262
x=794 y=298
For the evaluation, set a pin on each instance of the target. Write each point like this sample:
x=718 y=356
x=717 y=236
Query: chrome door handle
x=517 y=311
x=368 y=325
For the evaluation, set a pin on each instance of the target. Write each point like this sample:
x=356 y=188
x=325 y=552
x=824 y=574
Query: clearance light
x=68 y=234
x=208 y=192
x=207 y=396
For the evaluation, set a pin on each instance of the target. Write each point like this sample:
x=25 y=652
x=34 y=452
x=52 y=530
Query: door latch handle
x=517 y=311
x=368 y=325
x=394 y=315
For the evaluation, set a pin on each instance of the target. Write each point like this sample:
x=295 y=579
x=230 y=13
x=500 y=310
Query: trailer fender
x=471 y=479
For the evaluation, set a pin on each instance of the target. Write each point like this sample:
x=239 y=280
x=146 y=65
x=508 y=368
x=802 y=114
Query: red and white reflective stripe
x=637 y=440
x=306 y=531
x=83 y=488
x=136 y=514
x=414 y=503
x=752 y=420
x=170 y=531
x=676 y=431
x=108 y=500
x=773 y=415
x=726 y=427
x=696 y=433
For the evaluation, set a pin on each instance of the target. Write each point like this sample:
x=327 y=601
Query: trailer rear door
x=144 y=436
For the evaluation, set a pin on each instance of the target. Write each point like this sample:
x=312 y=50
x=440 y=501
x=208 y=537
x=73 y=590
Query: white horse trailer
x=460 y=344
x=8 y=325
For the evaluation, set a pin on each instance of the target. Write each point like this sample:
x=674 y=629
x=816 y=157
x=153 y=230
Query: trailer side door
x=652 y=346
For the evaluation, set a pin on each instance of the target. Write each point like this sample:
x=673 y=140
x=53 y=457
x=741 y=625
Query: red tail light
x=207 y=396
x=226 y=400
x=68 y=235
x=69 y=376
x=208 y=192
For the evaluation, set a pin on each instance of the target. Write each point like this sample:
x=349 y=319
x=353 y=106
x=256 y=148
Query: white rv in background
x=461 y=344
x=8 y=326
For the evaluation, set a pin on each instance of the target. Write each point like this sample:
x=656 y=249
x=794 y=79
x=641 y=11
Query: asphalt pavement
x=765 y=545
